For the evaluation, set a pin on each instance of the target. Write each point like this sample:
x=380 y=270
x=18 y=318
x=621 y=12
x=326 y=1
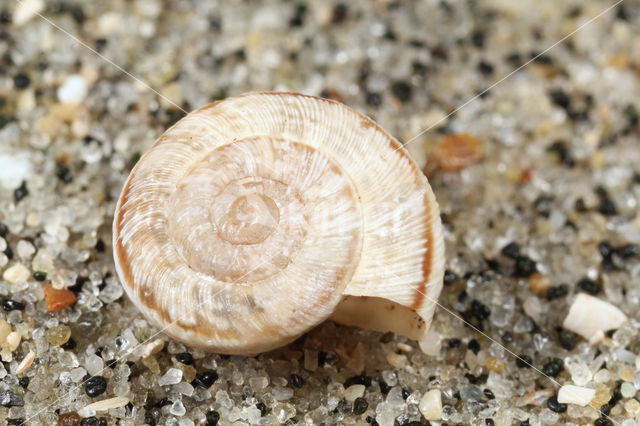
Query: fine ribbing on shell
x=345 y=212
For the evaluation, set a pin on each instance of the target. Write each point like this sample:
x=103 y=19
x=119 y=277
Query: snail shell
x=254 y=219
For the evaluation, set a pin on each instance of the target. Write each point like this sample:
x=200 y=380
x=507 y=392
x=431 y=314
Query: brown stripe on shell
x=123 y=260
x=125 y=265
x=427 y=261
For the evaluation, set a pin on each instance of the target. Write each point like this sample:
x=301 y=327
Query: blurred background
x=536 y=172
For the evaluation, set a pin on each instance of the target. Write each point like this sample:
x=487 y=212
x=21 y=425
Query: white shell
x=253 y=219
x=591 y=317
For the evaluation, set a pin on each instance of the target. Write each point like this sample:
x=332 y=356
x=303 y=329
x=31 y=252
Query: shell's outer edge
x=432 y=267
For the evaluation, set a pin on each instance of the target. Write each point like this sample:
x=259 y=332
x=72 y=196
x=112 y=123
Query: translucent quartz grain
x=390 y=377
x=494 y=364
x=25 y=249
x=627 y=390
x=580 y=373
x=471 y=394
x=184 y=388
x=16 y=274
x=188 y=372
x=353 y=392
x=258 y=383
x=632 y=407
x=94 y=364
x=177 y=408
x=58 y=335
x=170 y=377
x=281 y=393
x=396 y=360
x=430 y=405
x=602 y=396
x=5 y=329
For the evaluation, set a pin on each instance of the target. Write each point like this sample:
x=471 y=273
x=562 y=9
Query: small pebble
x=458 y=151
x=177 y=409
x=281 y=393
x=401 y=90
x=537 y=397
x=69 y=345
x=430 y=405
x=58 y=335
x=26 y=10
x=471 y=394
x=539 y=283
x=553 y=367
x=26 y=362
x=557 y=292
x=153 y=348
x=360 y=406
x=25 y=249
x=93 y=421
x=206 y=379
x=212 y=418
x=555 y=406
x=16 y=274
x=632 y=407
x=10 y=399
x=628 y=374
x=450 y=277
x=257 y=383
x=533 y=307
x=21 y=81
x=13 y=340
x=104 y=405
x=58 y=299
x=524 y=361
x=69 y=419
x=404 y=347
x=354 y=392
x=602 y=376
x=578 y=395
x=480 y=310
x=188 y=372
x=588 y=286
x=95 y=386
x=64 y=173
x=94 y=364
x=511 y=250
x=589 y=315
x=73 y=90
x=39 y=276
x=473 y=346
x=524 y=267
x=627 y=390
x=185 y=358
x=602 y=396
x=297 y=381
x=494 y=364
x=397 y=360
x=170 y=377
x=5 y=330
x=20 y=192
x=568 y=339
x=12 y=305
